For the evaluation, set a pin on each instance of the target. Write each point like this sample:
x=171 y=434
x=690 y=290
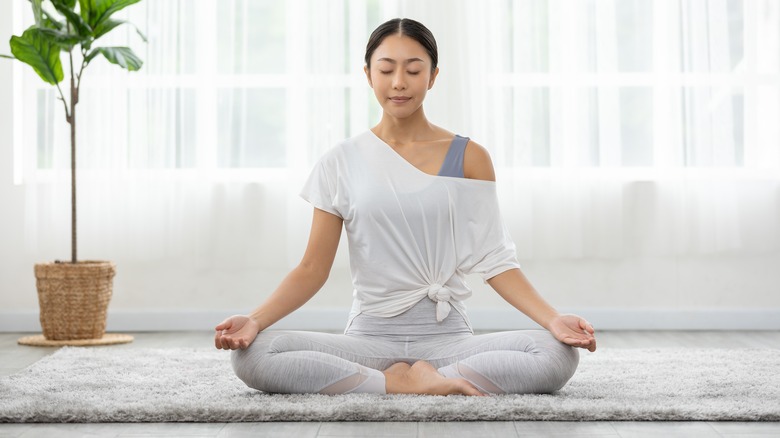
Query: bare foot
x=422 y=378
x=398 y=368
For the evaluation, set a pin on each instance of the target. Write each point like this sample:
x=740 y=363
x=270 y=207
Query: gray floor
x=14 y=357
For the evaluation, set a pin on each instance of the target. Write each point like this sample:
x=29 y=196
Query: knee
x=552 y=366
x=543 y=365
x=248 y=364
x=260 y=365
x=244 y=365
x=561 y=364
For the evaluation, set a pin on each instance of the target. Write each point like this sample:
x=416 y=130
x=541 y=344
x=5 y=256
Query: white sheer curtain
x=619 y=128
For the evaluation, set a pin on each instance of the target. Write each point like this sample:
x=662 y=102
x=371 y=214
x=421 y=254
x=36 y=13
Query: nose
x=399 y=81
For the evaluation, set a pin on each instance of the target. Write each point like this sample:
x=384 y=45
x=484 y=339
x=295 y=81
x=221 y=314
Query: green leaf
x=64 y=3
x=37 y=50
x=50 y=23
x=84 y=9
x=73 y=18
x=92 y=55
x=95 y=12
x=65 y=40
x=109 y=25
x=121 y=56
x=141 y=34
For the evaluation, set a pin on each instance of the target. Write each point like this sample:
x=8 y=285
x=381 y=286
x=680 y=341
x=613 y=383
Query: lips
x=400 y=99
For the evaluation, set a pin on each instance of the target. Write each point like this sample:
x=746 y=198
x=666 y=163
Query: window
x=235 y=84
x=633 y=83
x=263 y=84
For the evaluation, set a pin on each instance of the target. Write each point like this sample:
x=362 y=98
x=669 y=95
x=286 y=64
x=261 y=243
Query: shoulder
x=477 y=163
x=343 y=149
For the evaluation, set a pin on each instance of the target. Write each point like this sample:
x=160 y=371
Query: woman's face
x=400 y=75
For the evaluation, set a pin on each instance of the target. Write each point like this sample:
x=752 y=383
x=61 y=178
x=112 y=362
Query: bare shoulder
x=477 y=163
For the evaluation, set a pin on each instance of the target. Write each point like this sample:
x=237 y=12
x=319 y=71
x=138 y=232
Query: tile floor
x=14 y=357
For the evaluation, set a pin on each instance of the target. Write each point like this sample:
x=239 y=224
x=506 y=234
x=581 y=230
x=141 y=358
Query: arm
x=297 y=288
x=512 y=284
x=515 y=288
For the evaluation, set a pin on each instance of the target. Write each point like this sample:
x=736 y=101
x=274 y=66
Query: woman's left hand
x=573 y=330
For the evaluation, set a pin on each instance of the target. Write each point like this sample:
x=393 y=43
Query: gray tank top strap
x=453 y=162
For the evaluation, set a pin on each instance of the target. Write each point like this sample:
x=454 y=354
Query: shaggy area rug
x=198 y=385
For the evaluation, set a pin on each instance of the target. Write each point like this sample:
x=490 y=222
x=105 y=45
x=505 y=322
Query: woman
x=420 y=210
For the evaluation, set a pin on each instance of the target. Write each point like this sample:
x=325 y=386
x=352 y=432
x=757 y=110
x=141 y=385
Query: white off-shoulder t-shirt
x=411 y=235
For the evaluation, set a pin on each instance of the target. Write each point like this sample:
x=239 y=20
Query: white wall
x=179 y=293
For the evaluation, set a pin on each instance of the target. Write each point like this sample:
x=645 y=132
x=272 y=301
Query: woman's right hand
x=236 y=332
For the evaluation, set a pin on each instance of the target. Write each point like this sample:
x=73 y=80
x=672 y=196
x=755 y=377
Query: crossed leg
x=309 y=362
x=515 y=362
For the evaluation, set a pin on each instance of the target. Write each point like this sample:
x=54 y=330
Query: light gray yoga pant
x=516 y=362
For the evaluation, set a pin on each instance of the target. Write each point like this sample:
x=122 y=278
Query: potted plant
x=73 y=296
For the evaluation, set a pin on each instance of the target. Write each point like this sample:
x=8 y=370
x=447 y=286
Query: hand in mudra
x=236 y=332
x=573 y=330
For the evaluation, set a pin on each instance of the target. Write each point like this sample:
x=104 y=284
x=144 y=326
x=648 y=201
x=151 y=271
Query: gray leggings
x=517 y=362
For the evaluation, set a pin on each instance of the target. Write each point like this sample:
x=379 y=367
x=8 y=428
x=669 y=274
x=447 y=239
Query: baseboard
x=481 y=319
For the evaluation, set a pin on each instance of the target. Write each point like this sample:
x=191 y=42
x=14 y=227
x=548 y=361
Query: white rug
x=198 y=385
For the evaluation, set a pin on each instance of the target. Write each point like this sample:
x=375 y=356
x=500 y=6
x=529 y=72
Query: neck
x=404 y=131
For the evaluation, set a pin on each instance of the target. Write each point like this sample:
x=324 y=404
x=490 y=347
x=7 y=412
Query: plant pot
x=74 y=298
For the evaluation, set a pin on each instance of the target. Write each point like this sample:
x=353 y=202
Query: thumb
x=224 y=325
x=585 y=325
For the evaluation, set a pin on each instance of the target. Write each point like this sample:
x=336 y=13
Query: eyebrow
x=393 y=61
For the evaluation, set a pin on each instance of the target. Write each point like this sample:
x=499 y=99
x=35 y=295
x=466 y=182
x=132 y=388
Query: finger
x=582 y=344
x=223 y=342
x=578 y=336
x=224 y=325
x=573 y=341
x=586 y=343
x=217 y=343
x=584 y=325
x=589 y=344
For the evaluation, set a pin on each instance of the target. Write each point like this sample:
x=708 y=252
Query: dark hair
x=406 y=27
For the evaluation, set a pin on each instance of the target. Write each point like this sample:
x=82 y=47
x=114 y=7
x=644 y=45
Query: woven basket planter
x=74 y=298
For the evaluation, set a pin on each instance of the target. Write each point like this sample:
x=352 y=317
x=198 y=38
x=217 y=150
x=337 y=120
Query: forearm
x=518 y=291
x=297 y=288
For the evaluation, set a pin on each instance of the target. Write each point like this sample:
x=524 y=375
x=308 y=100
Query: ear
x=433 y=77
x=368 y=75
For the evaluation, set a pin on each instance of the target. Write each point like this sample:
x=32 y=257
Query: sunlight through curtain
x=619 y=128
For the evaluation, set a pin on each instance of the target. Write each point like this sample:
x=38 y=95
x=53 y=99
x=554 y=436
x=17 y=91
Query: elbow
x=317 y=272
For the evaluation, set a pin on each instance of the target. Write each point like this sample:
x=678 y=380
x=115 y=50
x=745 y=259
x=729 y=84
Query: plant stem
x=74 y=92
x=64 y=103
